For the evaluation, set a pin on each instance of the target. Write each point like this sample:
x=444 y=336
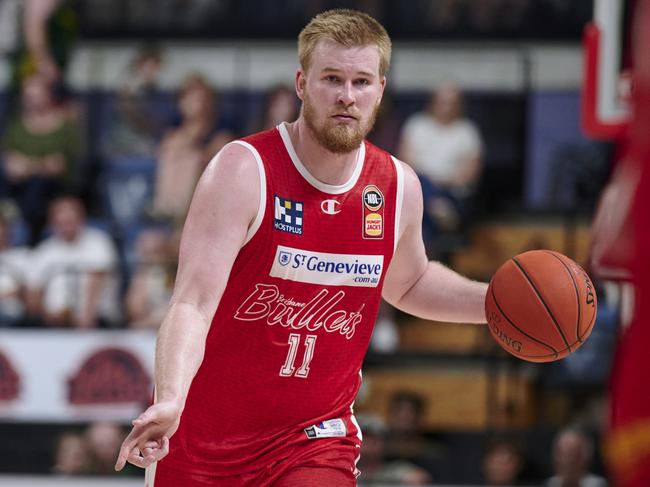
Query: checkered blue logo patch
x=288 y=215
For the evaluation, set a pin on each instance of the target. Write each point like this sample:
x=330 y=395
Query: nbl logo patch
x=373 y=200
x=373 y=212
x=288 y=215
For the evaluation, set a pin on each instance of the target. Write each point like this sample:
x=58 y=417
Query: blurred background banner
x=63 y=376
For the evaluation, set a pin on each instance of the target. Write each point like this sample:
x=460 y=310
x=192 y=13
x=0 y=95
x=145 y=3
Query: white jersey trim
x=261 y=209
x=354 y=421
x=304 y=172
x=400 y=199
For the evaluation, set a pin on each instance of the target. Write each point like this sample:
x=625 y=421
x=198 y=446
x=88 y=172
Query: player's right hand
x=148 y=441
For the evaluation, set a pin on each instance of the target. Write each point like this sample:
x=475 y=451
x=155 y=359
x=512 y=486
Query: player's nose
x=346 y=94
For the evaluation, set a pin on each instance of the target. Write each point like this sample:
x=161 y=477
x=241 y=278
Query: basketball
x=540 y=306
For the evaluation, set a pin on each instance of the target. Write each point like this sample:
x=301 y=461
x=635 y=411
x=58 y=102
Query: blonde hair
x=350 y=28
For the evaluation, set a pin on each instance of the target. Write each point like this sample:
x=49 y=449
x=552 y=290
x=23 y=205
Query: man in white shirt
x=73 y=276
x=445 y=150
x=572 y=455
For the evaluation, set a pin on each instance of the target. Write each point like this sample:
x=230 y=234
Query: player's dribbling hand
x=148 y=441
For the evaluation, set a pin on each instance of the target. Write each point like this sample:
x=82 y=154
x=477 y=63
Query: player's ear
x=300 y=84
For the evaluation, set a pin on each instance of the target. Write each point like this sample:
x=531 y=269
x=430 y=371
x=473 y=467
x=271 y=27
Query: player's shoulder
x=263 y=138
x=247 y=151
x=236 y=158
x=412 y=190
x=374 y=151
x=401 y=167
x=233 y=175
x=407 y=171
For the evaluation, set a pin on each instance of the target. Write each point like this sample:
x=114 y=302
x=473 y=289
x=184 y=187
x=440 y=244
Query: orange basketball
x=540 y=306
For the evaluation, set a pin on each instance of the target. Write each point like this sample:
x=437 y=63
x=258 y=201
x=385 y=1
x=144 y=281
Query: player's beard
x=337 y=137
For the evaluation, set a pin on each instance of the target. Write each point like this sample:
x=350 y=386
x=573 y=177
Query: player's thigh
x=316 y=477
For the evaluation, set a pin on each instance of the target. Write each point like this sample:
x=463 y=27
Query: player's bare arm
x=224 y=206
x=423 y=288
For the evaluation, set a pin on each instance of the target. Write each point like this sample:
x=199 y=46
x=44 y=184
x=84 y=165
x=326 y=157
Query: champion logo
x=331 y=207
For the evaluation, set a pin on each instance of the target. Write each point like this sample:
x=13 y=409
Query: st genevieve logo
x=110 y=376
x=373 y=212
x=288 y=215
x=9 y=380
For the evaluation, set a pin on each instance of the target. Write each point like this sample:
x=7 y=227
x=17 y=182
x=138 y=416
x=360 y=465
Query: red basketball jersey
x=283 y=356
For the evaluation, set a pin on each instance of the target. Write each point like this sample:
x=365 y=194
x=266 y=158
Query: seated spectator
x=445 y=150
x=280 y=105
x=137 y=124
x=404 y=422
x=72 y=279
x=373 y=464
x=14 y=262
x=40 y=148
x=406 y=438
x=572 y=456
x=71 y=455
x=103 y=440
x=152 y=282
x=49 y=30
x=186 y=150
x=503 y=463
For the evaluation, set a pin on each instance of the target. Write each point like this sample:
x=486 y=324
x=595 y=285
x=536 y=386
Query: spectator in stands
x=73 y=275
x=40 y=149
x=405 y=438
x=49 y=29
x=503 y=462
x=71 y=455
x=152 y=282
x=405 y=424
x=572 y=455
x=103 y=440
x=14 y=262
x=280 y=105
x=138 y=122
x=373 y=465
x=445 y=150
x=185 y=151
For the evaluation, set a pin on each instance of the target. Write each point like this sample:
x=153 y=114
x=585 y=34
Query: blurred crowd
x=91 y=246
x=395 y=451
x=88 y=451
x=398 y=451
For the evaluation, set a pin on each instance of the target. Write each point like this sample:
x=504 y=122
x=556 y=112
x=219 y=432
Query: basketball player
x=293 y=237
x=627 y=440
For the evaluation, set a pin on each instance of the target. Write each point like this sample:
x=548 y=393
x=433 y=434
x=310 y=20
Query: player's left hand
x=148 y=441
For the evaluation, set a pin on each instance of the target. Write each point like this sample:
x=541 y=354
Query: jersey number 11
x=288 y=368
